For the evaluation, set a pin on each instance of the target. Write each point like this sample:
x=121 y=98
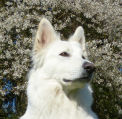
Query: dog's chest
x=62 y=108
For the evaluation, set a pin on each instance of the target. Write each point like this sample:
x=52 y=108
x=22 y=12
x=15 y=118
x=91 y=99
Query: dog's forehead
x=66 y=46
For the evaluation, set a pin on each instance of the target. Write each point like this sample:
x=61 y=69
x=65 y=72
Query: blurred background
x=102 y=22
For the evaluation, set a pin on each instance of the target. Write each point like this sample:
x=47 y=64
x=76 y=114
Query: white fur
x=49 y=97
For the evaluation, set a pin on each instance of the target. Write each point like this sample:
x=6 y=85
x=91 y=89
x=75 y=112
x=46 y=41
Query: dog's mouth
x=83 y=79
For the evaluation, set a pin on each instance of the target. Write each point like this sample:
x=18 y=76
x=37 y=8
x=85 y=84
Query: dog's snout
x=89 y=67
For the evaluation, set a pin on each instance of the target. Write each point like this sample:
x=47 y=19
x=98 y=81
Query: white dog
x=58 y=86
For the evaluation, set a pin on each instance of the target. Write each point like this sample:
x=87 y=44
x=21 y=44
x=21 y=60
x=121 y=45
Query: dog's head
x=64 y=61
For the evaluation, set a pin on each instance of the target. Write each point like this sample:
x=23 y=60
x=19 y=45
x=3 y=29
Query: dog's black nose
x=89 y=67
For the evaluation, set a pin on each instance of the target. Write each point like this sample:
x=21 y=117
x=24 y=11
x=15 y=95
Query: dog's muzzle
x=89 y=69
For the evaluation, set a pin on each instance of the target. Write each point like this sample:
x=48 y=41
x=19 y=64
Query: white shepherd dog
x=59 y=82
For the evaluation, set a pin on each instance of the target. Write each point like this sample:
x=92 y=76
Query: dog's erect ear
x=79 y=36
x=45 y=35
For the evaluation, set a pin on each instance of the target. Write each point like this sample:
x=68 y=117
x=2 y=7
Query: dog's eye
x=83 y=57
x=64 y=54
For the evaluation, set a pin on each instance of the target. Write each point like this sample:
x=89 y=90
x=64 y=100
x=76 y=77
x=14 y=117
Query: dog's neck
x=54 y=98
x=75 y=99
x=56 y=90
